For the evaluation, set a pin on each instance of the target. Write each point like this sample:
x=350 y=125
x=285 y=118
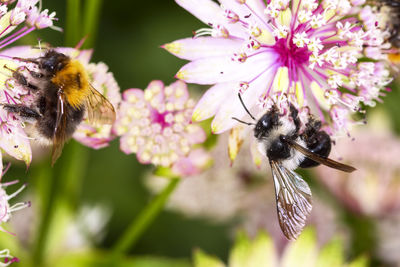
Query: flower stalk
x=145 y=218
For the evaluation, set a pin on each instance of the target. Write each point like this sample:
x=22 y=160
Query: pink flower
x=155 y=124
x=305 y=52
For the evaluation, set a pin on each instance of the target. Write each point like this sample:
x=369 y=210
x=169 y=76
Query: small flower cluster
x=156 y=124
x=307 y=52
x=24 y=15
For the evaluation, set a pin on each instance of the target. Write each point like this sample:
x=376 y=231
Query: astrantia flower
x=306 y=52
x=156 y=123
x=15 y=141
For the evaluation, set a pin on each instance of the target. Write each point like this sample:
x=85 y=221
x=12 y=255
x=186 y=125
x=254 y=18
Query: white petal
x=232 y=107
x=202 y=47
x=209 y=103
x=224 y=69
x=211 y=14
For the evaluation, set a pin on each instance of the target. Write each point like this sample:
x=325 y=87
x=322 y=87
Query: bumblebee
x=287 y=148
x=63 y=97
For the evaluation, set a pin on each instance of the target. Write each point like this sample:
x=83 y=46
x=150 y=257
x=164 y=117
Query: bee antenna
x=247 y=123
x=248 y=112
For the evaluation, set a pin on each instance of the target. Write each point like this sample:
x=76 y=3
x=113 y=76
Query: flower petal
x=232 y=107
x=209 y=103
x=224 y=69
x=205 y=10
x=211 y=14
x=254 y=7
x=202 y=47
x=177 y=93
x=17 y=145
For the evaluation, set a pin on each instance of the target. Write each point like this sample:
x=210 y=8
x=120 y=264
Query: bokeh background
x=128 y=39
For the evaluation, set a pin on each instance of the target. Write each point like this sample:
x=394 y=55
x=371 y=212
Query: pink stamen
x=17 y=37
x=12 y=35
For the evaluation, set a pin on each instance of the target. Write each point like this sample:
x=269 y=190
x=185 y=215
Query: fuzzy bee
x=287 y=148
x=62 y=96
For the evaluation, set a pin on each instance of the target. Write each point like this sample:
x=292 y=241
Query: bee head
x=265 y=124
x=53 y=61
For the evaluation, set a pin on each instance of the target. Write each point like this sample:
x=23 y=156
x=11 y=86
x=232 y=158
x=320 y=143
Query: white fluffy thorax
x=287 y=127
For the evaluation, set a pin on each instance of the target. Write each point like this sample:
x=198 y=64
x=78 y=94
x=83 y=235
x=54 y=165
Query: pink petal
x=179 y=93
x=202 y=47
x=253 y=7
x=157 y=99
x=195 y=163
x=210 y=13
x=233 y=108
x=209 y=103
x=133 y=92
x=17 y=145
x=196 y=134
x=224 y=69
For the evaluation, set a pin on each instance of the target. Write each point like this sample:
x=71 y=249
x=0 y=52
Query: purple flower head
x=304 y=52
x=155 y=123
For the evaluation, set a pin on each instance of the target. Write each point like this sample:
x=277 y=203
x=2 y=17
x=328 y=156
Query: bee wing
x=326 y=161
x=59 y=137
x=293 y=200
x=99 y=109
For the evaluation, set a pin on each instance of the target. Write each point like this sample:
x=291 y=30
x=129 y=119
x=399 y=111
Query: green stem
x=145 y=218
x=91 y=18
x=73 y=23
x=56 y=184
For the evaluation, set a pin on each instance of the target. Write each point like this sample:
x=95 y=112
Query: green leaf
x=302 y=252
x=73 y=23
x=201 y=259
x=258 y=253
x=361 y=261
x=331 y=254
x=100 y=259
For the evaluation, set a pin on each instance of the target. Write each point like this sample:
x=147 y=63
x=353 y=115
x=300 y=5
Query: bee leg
x=20 y=78
x=294 y=114
x=23 y=111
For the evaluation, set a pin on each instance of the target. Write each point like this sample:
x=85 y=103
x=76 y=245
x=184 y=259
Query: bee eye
x=266 y=122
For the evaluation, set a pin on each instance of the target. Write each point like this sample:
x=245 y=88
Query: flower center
x=289 y=54
x=159 y=118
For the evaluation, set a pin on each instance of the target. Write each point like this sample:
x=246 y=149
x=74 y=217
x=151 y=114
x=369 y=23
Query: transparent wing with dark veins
x=99 y=109
x=293 y=200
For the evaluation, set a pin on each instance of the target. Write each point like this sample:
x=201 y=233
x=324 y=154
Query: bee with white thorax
x=289 y=144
